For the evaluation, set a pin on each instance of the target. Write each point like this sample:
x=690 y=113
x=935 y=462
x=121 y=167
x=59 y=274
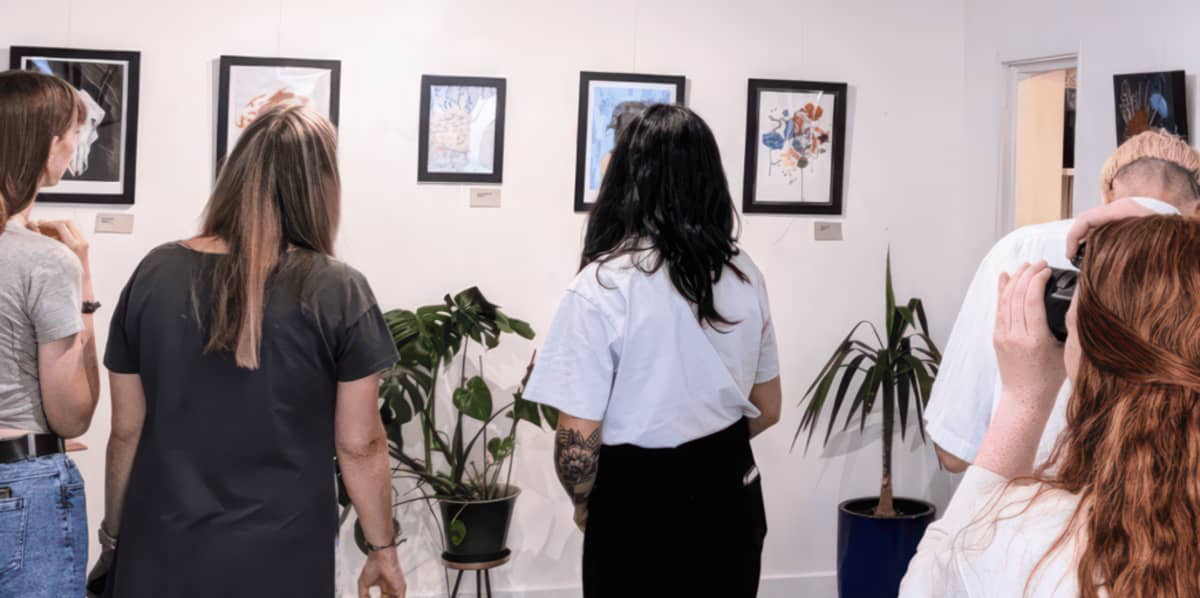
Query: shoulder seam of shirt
x=607 y=318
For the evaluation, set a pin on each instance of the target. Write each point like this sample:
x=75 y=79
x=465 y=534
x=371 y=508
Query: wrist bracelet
x=107 y=541
x=373 y=548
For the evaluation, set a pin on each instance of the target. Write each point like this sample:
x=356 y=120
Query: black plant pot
x=873 y=552
x=477 y=531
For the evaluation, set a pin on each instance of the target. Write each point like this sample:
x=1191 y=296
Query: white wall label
x=827 y=231
x=114 y=223
x=485 y=198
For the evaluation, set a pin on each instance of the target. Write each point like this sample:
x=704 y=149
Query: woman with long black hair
x=662 y=360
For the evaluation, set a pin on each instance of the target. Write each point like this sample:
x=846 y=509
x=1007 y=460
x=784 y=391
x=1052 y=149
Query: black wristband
x=90 y=307
x=373 y=548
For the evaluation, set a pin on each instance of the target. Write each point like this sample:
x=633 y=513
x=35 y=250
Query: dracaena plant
x=899 y=367
x=454 y=459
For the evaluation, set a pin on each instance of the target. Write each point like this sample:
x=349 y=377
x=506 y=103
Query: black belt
x=30 y=446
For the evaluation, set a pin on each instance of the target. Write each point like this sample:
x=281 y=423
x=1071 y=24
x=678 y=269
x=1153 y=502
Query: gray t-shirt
x=41 y=291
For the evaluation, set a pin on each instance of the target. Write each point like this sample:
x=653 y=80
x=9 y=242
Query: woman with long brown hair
x=241 y=361
x=49 y=376
x=1116 y=510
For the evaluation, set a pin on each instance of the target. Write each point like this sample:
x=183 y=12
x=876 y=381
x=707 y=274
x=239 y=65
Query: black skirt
x=687 y=521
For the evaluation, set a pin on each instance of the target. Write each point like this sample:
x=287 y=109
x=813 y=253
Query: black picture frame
x=832 y=207
x=226 y=65
x=586 y=78
x=1133 y=99
x=424 y=175
x=127 y=166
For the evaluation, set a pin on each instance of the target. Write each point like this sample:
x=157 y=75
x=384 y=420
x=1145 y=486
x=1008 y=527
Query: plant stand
x=483 y=573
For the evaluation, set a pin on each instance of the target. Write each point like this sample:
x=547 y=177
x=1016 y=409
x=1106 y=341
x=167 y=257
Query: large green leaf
x=523 y=329
x=474 y=399
x=526 y=410
x=551 y=416
x=500 y=448
x=393 y=397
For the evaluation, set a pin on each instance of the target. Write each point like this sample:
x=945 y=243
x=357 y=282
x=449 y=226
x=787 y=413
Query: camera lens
x=1059 y=291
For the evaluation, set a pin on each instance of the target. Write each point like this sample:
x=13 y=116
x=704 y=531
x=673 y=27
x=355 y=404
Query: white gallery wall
x=1108 y=37
x=922 y=167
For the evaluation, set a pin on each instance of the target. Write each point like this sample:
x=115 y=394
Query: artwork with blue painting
x=462 y=129
x=608 y=103
x=613 y=106
x=1146 y=101
x=795 y=146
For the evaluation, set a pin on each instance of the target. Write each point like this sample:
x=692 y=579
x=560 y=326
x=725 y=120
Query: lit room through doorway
x=1045 y=146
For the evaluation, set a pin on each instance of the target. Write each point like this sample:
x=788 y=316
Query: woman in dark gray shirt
x=241 y=362
x=49 y=378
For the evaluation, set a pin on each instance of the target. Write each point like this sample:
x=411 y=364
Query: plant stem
x=430 y=424
x=886 y=506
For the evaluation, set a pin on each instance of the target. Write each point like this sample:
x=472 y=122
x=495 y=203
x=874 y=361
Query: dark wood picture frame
x=228 y=62
x=424 y=175
x=132 y=60
x=753 y=136
x=581 y=137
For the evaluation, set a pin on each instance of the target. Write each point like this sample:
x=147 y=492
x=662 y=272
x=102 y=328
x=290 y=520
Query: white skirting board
x=809 y=585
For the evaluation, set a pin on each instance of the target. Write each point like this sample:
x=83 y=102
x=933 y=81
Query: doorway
x=1041 y=176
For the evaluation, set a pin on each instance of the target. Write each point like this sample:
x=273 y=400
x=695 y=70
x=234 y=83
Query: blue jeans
x=43 y=529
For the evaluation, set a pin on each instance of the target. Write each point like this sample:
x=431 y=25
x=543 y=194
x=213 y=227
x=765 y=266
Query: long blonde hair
x=279 y=188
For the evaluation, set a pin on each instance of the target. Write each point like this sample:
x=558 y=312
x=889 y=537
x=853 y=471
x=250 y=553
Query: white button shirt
x=967 y=389
x=626 y=348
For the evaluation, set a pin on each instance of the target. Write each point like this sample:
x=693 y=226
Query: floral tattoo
x=576 y=459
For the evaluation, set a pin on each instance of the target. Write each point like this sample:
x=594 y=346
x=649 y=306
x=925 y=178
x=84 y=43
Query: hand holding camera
x=1029 y=356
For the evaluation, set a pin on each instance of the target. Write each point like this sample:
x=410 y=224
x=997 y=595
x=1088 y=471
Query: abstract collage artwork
x=105 y=163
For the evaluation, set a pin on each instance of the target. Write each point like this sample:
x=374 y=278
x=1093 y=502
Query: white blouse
x=990 y=541
x=626 y=348
x=967 y=390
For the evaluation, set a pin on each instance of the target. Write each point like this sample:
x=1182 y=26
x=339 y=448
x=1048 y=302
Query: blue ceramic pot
x=873 y=552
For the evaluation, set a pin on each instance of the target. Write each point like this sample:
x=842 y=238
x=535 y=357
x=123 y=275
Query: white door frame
x=1015 y=72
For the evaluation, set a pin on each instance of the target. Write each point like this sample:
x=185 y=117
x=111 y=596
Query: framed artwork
x=795 y=147
x=607 y=102
x=1147 y=101
x=247 y=86
x=104 y=169
x=462 y=130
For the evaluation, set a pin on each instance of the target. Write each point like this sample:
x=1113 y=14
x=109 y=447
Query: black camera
x=1059 y=291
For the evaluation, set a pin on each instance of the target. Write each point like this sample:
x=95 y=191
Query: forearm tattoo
x=576 y=459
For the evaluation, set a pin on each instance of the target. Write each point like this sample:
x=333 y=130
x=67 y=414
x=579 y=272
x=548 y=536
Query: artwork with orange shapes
x=795 y=139
x=795 y=147
x=250 y=86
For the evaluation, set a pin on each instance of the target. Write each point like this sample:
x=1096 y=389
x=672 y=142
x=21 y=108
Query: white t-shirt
x=991 y=540
x=626 y=349
x=967 y=389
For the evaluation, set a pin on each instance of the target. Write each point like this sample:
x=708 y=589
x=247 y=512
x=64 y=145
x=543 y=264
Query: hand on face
x=1030 y=359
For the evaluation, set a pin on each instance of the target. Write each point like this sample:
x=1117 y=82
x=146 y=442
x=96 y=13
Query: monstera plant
x=456 y=462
